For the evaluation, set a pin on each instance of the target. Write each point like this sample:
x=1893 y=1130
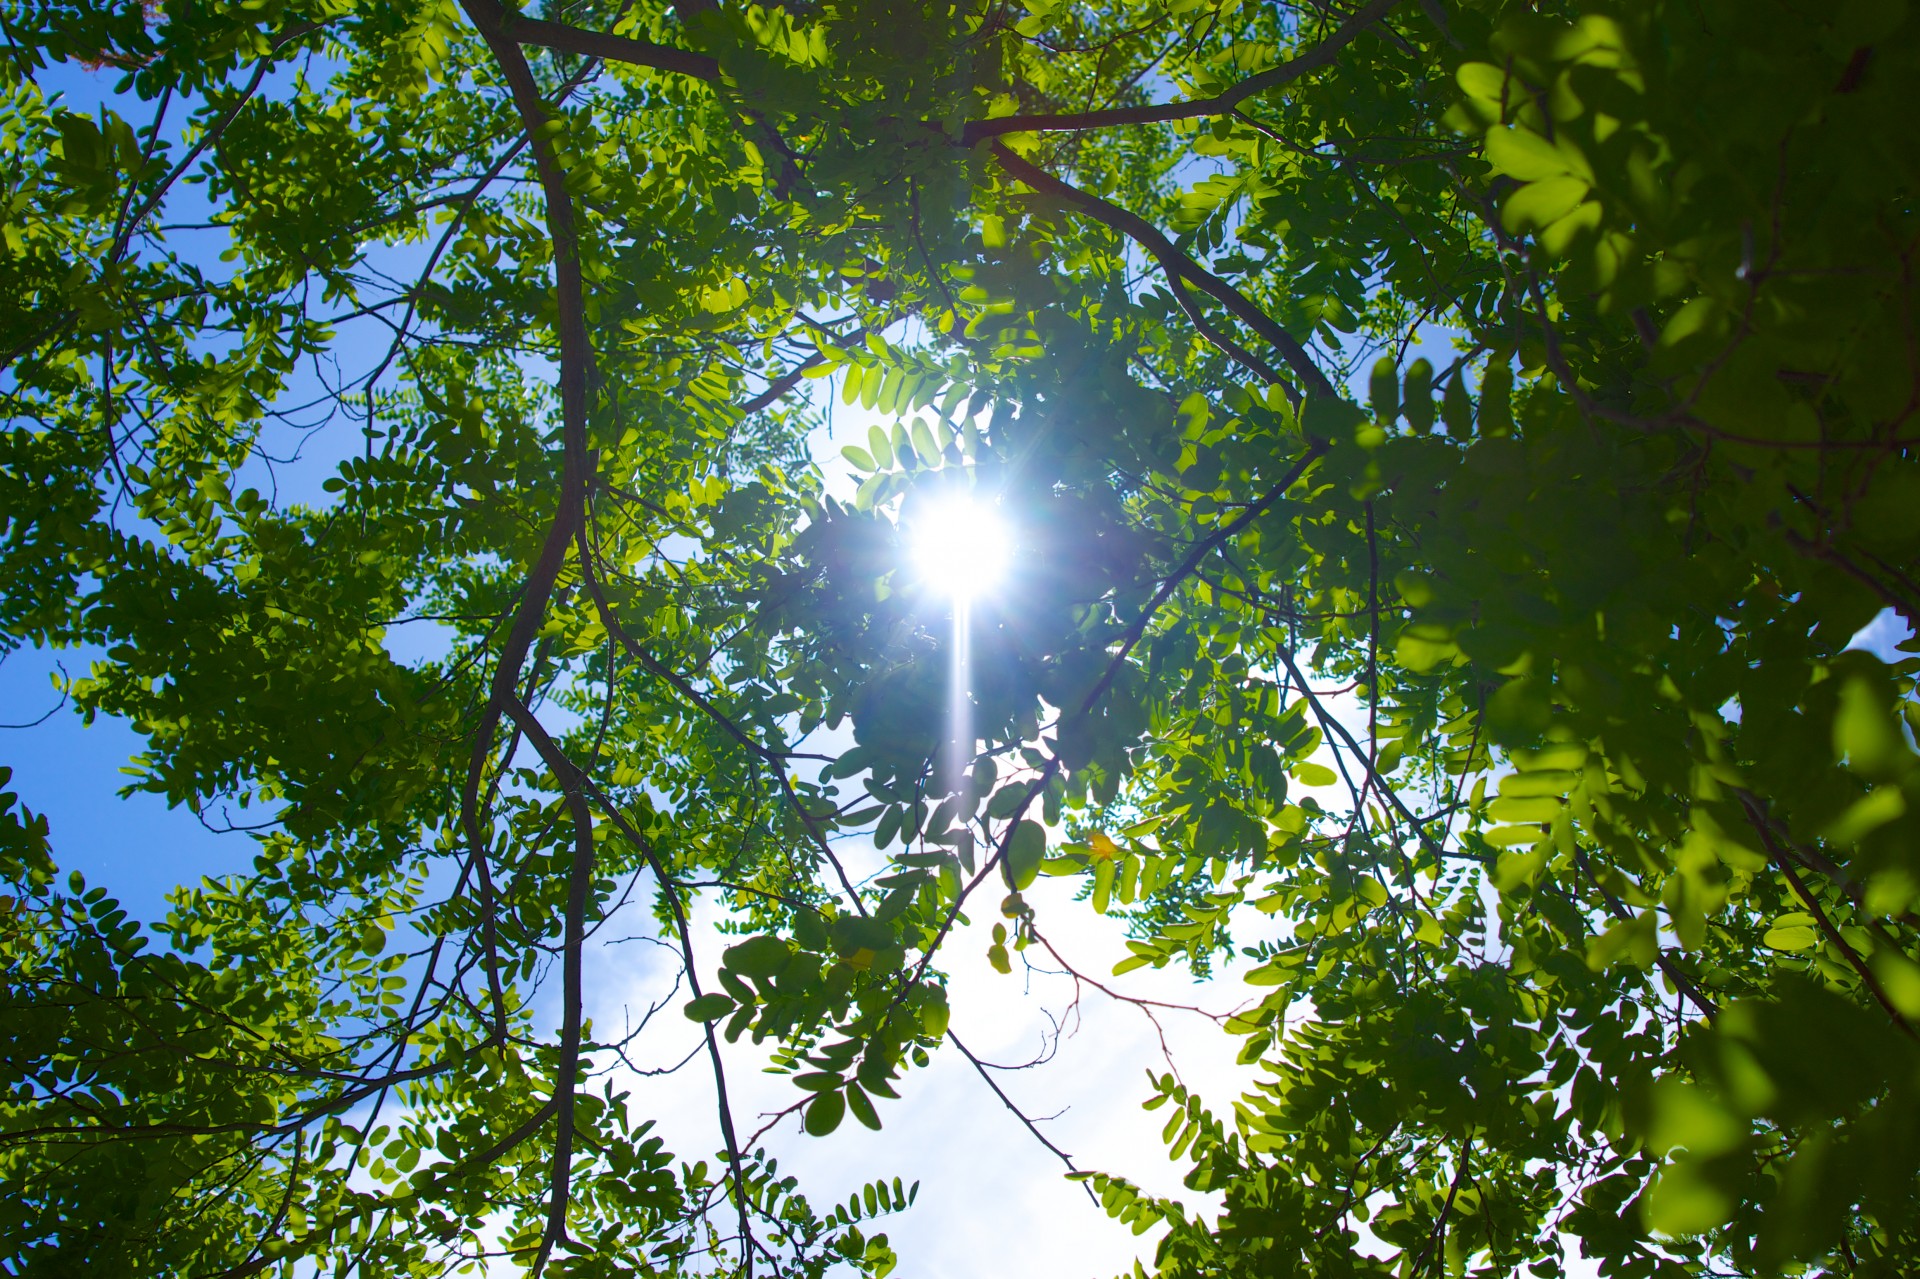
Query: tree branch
x=1820 y=917
x=576 y=366
x=1767 y=827
x=778 y=388
x=1319 y=56
x=1446 y=1210
x=647 y=850
x=572 y=978
x=1019 y=1114
x=1619 y=911
x=1181 y=268
x=562 y=38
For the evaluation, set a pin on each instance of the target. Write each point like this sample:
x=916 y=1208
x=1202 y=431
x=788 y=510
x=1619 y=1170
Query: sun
x=961 y=545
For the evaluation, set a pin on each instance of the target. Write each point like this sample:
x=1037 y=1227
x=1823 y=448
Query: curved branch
x=1768 y=827
x=1181 y=269
x=572 y=976
x=778 y=387
x=1439 y=1232
x=1618 y=909
x=576 y=369
x=1840 y=943
x=129 y=224
x=766 y=754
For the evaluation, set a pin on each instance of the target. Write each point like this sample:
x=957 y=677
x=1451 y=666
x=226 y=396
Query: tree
x=1599 y=872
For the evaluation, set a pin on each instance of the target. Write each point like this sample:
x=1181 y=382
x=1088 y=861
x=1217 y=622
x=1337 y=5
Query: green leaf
x=1456 y=407
x=1483 y=80
x=1026 y=849
x=1900 y=977
x=1326 y=418
x=1308 y=773
x=934 y=1014
x=821 y=1081
x=880 y=447
x=761 y=956
x=1416 y=403
x=1879 y=806
x=1496 y=402
x=708 y=1007
x=1865 y=736
x=1422 y=647
x=1689 y=320
x=862 y=1108
x=1792 y=934
x=824 y=1113
x=923 y=442
x=1510 y=808
x=1383 y=390
x=1542 y=203
x=1523 y=154
x=1687 y=1200
x=1686 y=1116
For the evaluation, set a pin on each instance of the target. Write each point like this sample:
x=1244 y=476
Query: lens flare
x=960 y=546
x=961 y=549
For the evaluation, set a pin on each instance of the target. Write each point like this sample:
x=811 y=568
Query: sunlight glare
x=960 y=546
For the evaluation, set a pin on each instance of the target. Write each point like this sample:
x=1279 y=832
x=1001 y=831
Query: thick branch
x=576 y=365
x=572 y=977
x=780 y=386
x=1840 y=943
x=596 y=44
x=1767 y=827
x=1905 y=605
x=579 y=788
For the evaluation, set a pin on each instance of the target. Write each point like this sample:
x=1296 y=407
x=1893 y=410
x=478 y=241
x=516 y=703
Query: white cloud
x=988 y=1188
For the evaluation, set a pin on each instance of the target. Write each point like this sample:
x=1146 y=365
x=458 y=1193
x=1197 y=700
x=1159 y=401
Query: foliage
x=1518 y=694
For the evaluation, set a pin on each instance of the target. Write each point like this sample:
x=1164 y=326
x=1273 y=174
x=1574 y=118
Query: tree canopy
x=1452 y=444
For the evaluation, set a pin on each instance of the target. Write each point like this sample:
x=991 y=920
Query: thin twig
x=1019 y=1114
